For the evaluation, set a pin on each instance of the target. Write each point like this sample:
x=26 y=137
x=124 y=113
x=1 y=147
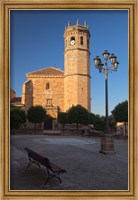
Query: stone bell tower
x=77 y=66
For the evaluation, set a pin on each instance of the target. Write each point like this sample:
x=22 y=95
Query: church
x=58 y=90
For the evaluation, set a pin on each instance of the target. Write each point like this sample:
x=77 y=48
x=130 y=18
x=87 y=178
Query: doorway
x=48 y=123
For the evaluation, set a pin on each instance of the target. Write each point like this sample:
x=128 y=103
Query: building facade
x=15 y=102
x=45 y=87
x=58 y=90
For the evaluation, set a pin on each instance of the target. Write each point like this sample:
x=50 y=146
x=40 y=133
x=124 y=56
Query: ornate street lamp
x=107 y=140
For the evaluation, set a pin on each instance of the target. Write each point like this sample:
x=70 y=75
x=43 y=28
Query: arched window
x=81 y=40
x=88 y=44
x=72 y=38
x=47 y=86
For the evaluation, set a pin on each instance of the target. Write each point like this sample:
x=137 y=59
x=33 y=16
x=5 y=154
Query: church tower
x=77 y=66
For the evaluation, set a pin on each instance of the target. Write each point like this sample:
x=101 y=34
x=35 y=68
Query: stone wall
x=37 y=93
x=12 y=94
x=27 y=94
x=77 y=67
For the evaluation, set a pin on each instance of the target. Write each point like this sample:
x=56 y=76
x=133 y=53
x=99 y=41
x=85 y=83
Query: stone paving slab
x=87 y=169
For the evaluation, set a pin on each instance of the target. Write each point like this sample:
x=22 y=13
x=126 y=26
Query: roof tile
x=16 y=100
x=50 y=71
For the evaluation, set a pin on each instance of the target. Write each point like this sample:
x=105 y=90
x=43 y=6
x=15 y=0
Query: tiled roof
x=50 y=71
x=16 y=100
x=11 y=90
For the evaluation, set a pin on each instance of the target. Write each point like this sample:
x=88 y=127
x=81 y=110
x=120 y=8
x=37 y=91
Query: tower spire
x=68 y=23
x=77 y=22
x=85 y=24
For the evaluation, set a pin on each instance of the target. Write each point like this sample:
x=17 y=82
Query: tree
x=120 y=113
x=63 y=118
x=97 y=121
x=17 y=117
x=78 y=114
x=91 y=118
x=36 y=114
x=112 y=122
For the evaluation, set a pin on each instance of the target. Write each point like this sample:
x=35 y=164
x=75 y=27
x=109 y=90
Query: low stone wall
x=72 y=132
x=52 y=132
x=47 y=132
x=27 y=131
x=66 y=132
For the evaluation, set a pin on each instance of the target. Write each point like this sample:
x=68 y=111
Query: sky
x=36 y=42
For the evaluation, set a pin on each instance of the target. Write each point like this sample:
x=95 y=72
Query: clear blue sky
x=36 y=42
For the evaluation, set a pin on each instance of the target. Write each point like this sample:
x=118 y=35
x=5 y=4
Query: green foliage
x=112 y=123
x=15 y=121
x=99 y=121
x=78 y=114
x=63 y=118
x=91 y=118
x=120 y=112
x=17 y=117
x=36 y=114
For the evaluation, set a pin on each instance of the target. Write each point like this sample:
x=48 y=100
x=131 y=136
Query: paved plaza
x=87 y=169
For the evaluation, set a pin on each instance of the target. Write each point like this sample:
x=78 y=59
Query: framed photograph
x=51 y=53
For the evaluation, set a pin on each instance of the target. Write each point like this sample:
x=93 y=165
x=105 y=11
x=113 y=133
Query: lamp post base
x=107 y=144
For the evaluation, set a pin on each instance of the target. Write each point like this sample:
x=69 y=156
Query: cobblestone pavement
x=87 y=169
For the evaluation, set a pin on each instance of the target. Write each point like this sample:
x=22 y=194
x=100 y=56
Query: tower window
x=47 y=86
x=88 y=44
x=72 y=38
x=81 y=40
x=65 y=44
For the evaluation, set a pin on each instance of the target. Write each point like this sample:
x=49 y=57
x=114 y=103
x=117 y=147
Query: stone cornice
x=77 y=49
x=77 y=74
x=44 y=76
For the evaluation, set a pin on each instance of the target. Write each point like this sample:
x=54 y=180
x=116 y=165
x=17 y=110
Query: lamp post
x=107 y=140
